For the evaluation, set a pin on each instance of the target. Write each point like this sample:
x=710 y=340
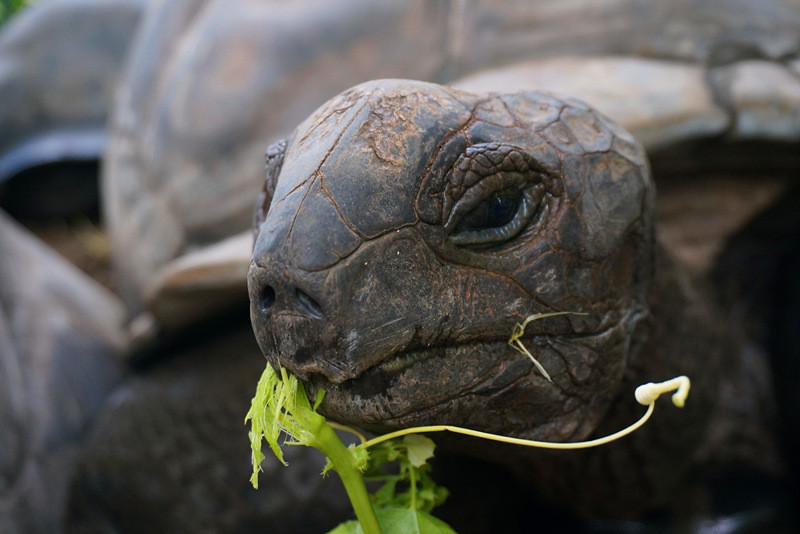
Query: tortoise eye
x=497 y=219
x=496 y=211
x=492 y=193
x=501 y=210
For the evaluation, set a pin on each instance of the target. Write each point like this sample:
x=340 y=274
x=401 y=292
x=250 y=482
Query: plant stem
x=412 y=475
x=342 y=459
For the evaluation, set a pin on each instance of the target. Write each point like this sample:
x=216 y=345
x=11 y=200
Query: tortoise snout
x=273 y=294
x=294 y=300
x=289 y=319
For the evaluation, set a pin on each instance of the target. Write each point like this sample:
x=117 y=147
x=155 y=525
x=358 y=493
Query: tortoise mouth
x=463 y=384
x=407 y=358
x=412 y=381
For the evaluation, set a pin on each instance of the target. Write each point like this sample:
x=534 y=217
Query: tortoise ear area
x=274 y=156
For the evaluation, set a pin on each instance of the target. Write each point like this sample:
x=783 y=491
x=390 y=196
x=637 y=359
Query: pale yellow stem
x=519 y=330
x=361 y=437
x=647 y=392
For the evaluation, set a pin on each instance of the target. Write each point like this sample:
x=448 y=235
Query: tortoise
x=60 y=335
x=60 y=63
x=404 y=227
x=681 y=83
x=660 y=322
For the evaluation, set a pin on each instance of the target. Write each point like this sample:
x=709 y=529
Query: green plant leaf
x=280 y=408
x=394 y=520
x=348 y=527
x=420 y=449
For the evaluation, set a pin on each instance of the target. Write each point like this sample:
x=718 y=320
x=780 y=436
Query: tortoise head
x=406 y=227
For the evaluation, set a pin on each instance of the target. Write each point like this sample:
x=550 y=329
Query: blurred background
x=132 y=141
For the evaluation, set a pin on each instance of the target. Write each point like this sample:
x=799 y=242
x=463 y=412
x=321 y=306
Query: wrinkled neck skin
x=727 y=420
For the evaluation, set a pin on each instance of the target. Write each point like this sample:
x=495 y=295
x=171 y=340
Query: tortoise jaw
x=457 y=383
x=338 y=374
x=413 y=380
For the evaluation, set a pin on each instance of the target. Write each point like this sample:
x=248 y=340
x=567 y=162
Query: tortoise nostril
x=267 y=298
x=308 y=304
